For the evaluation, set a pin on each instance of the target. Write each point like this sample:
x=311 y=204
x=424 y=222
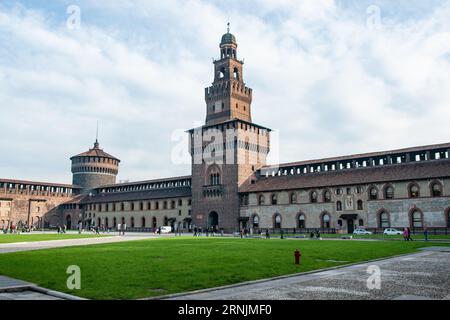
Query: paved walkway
x=12 y=289
x=421 y=276
x=39 y=245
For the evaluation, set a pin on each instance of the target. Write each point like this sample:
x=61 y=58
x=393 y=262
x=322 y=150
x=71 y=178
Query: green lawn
x=153 y=267
x=11 y=238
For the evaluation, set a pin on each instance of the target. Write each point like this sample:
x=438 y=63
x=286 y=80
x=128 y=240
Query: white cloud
x=330 y=85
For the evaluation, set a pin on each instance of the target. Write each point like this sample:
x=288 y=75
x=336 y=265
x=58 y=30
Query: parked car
x=166 y=229
x=392 y=232
x=362 y=232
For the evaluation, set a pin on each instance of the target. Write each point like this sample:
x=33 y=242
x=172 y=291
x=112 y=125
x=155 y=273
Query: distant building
x=232 y=187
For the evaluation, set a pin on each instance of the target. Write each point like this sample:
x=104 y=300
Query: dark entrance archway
x=350 y=218
x=213 y=219
x=69 y=222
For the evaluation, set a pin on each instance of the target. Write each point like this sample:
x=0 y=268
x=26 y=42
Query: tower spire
x=96 y=144
x=228 y=27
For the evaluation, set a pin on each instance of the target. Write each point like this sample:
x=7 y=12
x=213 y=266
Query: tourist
x=425 y=233
x=195 y=231
x=409 y=234
x=267 y=234
x=405 y=234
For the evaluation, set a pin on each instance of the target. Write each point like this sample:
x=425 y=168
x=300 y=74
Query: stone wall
x=31 y=207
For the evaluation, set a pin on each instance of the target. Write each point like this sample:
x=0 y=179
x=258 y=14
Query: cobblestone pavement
x=424 y=275
x=39 y=245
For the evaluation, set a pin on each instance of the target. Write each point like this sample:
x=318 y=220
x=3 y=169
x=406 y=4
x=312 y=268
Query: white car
x=392 y=232
x=362 y=232
x=166 y=229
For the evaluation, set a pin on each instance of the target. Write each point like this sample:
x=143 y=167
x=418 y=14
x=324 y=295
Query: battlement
x=228 y=88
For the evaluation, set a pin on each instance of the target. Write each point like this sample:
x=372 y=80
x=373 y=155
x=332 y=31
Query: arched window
x=154 y=225
x=389 y=192
x=255 y=221
x=373 y=193
x=277 y=221
x=325 y=220
x=222 y=73
x=214 y=176
x=301 y=221
x=436 y=189
x=313 y=196
x=166 y=221
x=123 y=220
x=327 y=196
x=414 y=191
x=143 y=222
x=274 y=199
x=360 y=205
x=383 y=220
x=132 y=222
x=114 y=222
x=106 y=222
x=338 y=206
x=261 y=200
x=236 y=74
x=416 y=219
x=293 y=198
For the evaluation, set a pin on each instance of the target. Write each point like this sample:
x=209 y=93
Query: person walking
x=195 y=231
x=425 y=233
x=409 y=234
x=405 y=234
x=267 y=234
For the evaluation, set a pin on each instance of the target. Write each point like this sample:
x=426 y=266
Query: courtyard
x=144 y=268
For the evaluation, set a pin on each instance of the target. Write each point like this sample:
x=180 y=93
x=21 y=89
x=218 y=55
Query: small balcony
x=213 y=191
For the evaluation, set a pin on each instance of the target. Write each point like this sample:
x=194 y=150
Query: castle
x=232 y=187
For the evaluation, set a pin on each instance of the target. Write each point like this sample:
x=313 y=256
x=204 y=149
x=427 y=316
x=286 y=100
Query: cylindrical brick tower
x=94 y=168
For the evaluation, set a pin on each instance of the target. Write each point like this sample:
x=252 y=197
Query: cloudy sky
x=331 y=77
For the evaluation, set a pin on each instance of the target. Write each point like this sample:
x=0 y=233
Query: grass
x=137 y=269
x=12 y=238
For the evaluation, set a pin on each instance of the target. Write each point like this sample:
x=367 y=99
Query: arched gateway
x=213 y=219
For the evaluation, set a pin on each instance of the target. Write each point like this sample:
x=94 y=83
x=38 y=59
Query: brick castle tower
x=229 y=148
x=94 y=168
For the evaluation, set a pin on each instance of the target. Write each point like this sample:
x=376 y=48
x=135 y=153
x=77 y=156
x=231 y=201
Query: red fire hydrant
x=297 y=256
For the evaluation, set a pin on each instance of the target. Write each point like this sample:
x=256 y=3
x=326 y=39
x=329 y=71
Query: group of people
x=213 y=231
x=407 y=234
x=62 y=229
x=315 y=234
x=12 y=228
